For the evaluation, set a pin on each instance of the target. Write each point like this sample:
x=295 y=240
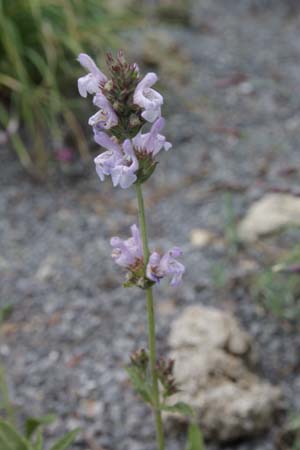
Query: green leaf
x=180 y=407
x=294 y=423
x=141 y=385
x=38 y=444
x=65 y=441
x=5 y=312
x=195 y=438
x=10 y=439
x=32 y=423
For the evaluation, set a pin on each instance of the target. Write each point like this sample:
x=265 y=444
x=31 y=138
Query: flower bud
x=109 y=85
x=134 y=121
x=121 y=57
x=118 y=106
x=164 y=370
x=140 y=359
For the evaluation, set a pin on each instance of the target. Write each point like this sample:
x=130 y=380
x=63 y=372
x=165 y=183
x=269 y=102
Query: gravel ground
x=233 y=113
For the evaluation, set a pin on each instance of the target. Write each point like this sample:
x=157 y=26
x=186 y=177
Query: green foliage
x=5 y=312
x=290 y=436
x=140 y=383
x=65 y=441
x=293 y=427
x=39 y=42
x=181 y=408
x=195 y=438
x=33 y=423
x=38 y=443
x=6 y=407
x=219 y=277
x=279 y=291
x=231 y=234
x=11 y=439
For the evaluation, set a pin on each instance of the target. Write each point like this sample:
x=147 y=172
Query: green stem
x=6 y=404
x=151 y=323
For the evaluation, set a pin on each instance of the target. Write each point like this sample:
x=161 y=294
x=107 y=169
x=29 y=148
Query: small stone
x=91 y=408
x=200 y=237
x=268 y=215
x=246 y=88
x=46 y=269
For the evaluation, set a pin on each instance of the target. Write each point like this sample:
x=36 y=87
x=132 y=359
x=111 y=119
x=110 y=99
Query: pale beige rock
x=202 y=327
x=90 y=408
x=269 y=214
x=212 y=355
x=46 y=269
x=200 y=237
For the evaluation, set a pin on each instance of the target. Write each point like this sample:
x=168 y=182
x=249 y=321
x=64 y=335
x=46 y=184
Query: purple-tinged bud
x=109 y=57
x=164 y=370
x=109 y=85
x=140 y=359
x=121 y=57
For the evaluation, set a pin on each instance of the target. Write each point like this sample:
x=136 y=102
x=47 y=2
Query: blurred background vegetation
x=39 y=42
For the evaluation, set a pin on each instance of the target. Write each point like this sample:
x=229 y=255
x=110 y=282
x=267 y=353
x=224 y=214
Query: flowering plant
x=126 y=103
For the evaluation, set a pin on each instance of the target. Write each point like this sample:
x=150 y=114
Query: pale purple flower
x=161 y=266
x=106 y=161
x=119 y=162
x=128 y=253
x=151 y=143
x=106 y=117
x=147 y=98
x=90 y=83
x=124 y=172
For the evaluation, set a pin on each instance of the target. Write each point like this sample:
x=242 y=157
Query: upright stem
x=151 y=323
x=5 y=400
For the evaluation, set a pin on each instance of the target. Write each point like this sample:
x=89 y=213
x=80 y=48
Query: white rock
x=200 y=237
x=202 y=327
x=269 y=214
x=46 y=270
x=212 y=354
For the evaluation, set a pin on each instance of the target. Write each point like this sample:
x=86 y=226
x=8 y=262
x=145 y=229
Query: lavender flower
x=90 y=83
x=128 y=253
x=106 y=117
x=106 y=161
x=147 y=98
x=124 y=172
x=151 y=143
x=119 y=162
x=159 y=267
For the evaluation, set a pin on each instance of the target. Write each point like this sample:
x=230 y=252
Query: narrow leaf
x=65 y=441
x=141 y=386
x=32 y=423
x=10 y=439
x=180 y=408
x=38 y=444
x=195 y=439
